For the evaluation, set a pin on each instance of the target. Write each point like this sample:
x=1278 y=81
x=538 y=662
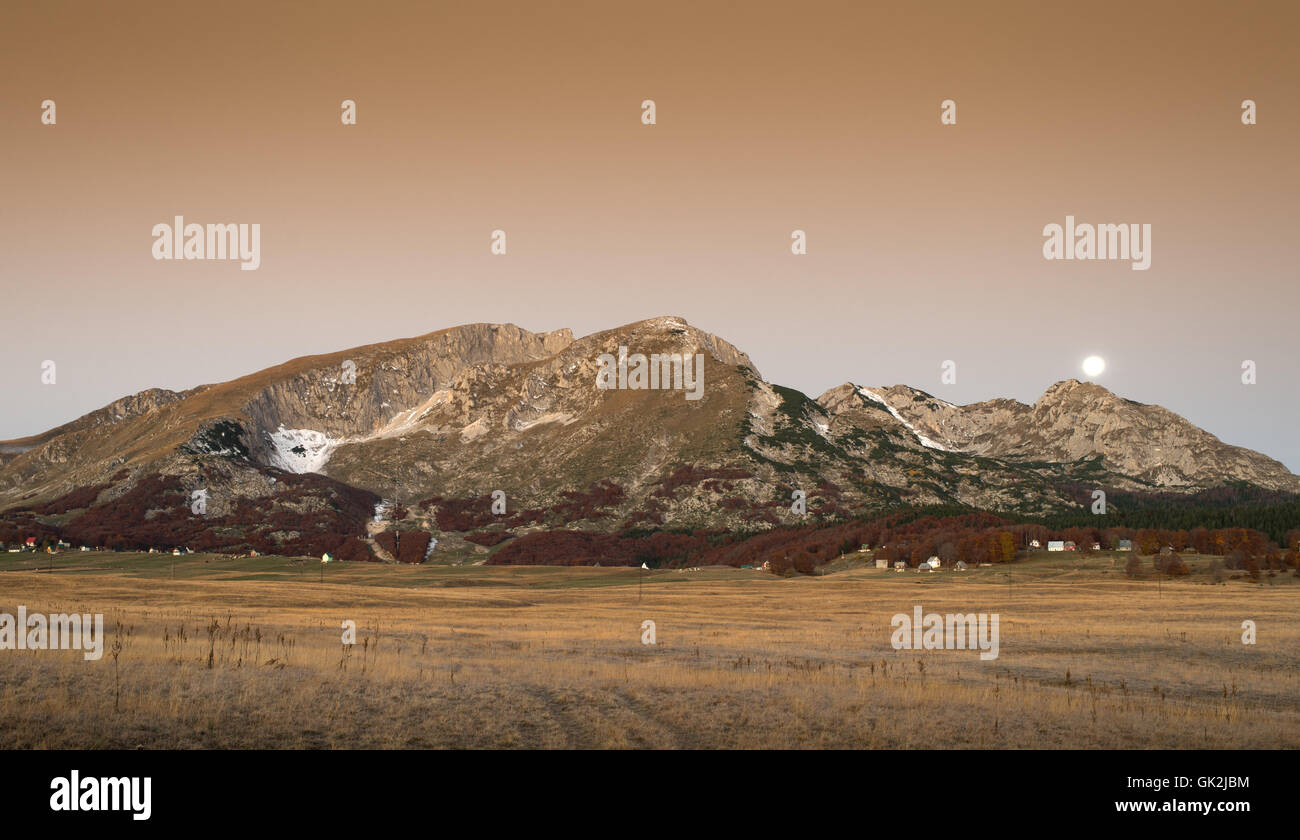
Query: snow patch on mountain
x=300 y=450
x=922 y=439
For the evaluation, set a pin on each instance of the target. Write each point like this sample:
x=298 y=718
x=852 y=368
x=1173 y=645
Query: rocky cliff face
x=1074 y=421
x=246 y=416
x=435 y=424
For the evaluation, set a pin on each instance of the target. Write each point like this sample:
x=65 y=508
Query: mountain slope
x=296 y=458
x=1077 y=420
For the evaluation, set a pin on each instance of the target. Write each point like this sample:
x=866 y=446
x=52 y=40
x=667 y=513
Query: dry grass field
x=247 y=653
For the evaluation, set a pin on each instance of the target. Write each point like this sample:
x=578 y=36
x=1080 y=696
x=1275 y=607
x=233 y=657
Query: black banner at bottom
x=636 y=790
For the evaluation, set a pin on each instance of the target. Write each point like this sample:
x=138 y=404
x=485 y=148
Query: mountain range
x=351 y=451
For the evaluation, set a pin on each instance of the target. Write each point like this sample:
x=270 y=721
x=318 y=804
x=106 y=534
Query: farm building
x=925 y=567
x=935 y=562
x=1035 y=544
x=1056 y=545
x=961 y=566
x=882 y=563
x=900 y=566
x=1070 y=546
x=1125 y=545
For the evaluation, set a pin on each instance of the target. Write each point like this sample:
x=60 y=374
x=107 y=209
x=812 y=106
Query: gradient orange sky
x=924 y=240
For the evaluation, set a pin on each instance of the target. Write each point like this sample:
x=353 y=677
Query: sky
x=924 y=240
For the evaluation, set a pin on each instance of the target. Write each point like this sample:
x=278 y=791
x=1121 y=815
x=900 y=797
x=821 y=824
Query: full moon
x=1094 y=365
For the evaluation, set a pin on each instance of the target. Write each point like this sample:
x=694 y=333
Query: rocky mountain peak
x=462 y=411
x=1072 y=390
x=1071 y=422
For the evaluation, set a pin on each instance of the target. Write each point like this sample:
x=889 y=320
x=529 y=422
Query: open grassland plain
x=247 y=653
